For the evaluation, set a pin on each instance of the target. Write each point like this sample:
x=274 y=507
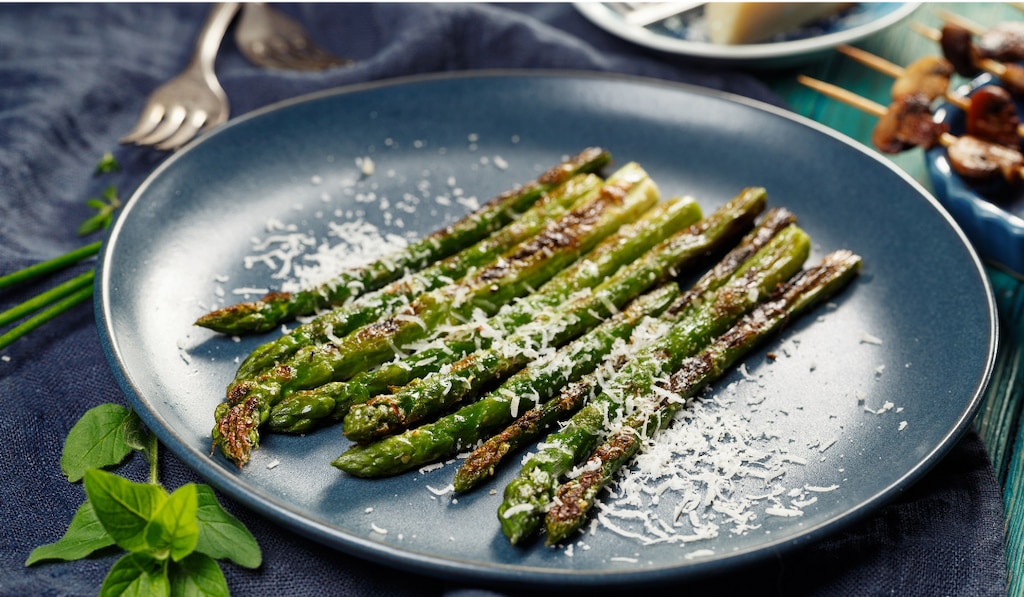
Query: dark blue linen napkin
x=73 y=78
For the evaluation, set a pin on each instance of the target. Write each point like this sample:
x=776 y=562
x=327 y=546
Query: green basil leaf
x=173 y=530
x=85 y=535
x=123 y=508
x=136 y=575
x=198 y=575
x=221 y=535
x=99 y=440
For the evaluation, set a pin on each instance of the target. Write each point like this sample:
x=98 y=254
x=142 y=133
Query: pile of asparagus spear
x=523 y=318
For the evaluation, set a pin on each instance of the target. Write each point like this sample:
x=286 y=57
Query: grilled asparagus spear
x=278 y=307
x=574 y=498
x=528 y=495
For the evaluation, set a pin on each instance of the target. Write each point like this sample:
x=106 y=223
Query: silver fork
x=194 y=100
x=270 y=38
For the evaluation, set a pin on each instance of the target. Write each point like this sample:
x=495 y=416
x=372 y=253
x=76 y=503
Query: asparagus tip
x=232 y=319
x=371 y=420
x=246 y=318
x=236 y=433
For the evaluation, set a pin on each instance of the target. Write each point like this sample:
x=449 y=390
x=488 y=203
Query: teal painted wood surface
x=999 y=419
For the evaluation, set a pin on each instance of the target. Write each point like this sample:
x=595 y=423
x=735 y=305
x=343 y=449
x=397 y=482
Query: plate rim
x=607 y=19
x=504 y=573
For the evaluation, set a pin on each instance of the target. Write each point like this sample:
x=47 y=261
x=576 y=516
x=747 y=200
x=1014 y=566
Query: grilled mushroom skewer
x=1003 y=41
x=991 y=113
x=1012 y=75
x=971 y=157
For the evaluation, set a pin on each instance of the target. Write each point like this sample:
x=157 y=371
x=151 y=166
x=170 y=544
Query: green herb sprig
x=173 y=540
x=105 y=208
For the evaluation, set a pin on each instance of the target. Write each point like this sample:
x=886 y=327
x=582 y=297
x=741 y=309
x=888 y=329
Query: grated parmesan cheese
x=366 y=165
x=698 y=479
x=517 y=509
x=866 y=338
x=821 y=489
x=442 y=491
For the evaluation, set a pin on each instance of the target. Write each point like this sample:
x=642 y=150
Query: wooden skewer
x=847 y=97
x=871 y=60
x=946 y=139
x=861 y=103
x=894 y=70
x=994 y=67
x=952 y=17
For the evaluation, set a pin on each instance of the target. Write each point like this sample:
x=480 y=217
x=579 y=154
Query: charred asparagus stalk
x=370 y=307
x=526 y=266
x=389 y=413
x=481 y=463
x=305 y=409
x=574 y=498
x=278 y=307
x=528 y=495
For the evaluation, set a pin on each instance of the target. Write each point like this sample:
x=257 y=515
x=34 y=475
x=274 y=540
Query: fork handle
x=211 y=35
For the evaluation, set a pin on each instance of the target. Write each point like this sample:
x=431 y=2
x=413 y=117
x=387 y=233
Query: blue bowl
x=991 y=214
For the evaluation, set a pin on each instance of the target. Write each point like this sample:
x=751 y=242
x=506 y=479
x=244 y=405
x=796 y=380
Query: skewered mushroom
x=979 y=160
x=928 y=76
x=992 y=116
x=958 y=47
x=908 y=122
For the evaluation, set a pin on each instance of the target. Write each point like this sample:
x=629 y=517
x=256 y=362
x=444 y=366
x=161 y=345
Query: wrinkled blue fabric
x=73 y=78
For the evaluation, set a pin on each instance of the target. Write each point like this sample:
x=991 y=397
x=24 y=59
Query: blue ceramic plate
x=990 y=213
x=686 y=34
x=860 y=400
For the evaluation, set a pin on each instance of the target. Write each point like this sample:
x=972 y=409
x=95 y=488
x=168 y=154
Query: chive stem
x=41 y=300
x=45 y=315
x=45 y=267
